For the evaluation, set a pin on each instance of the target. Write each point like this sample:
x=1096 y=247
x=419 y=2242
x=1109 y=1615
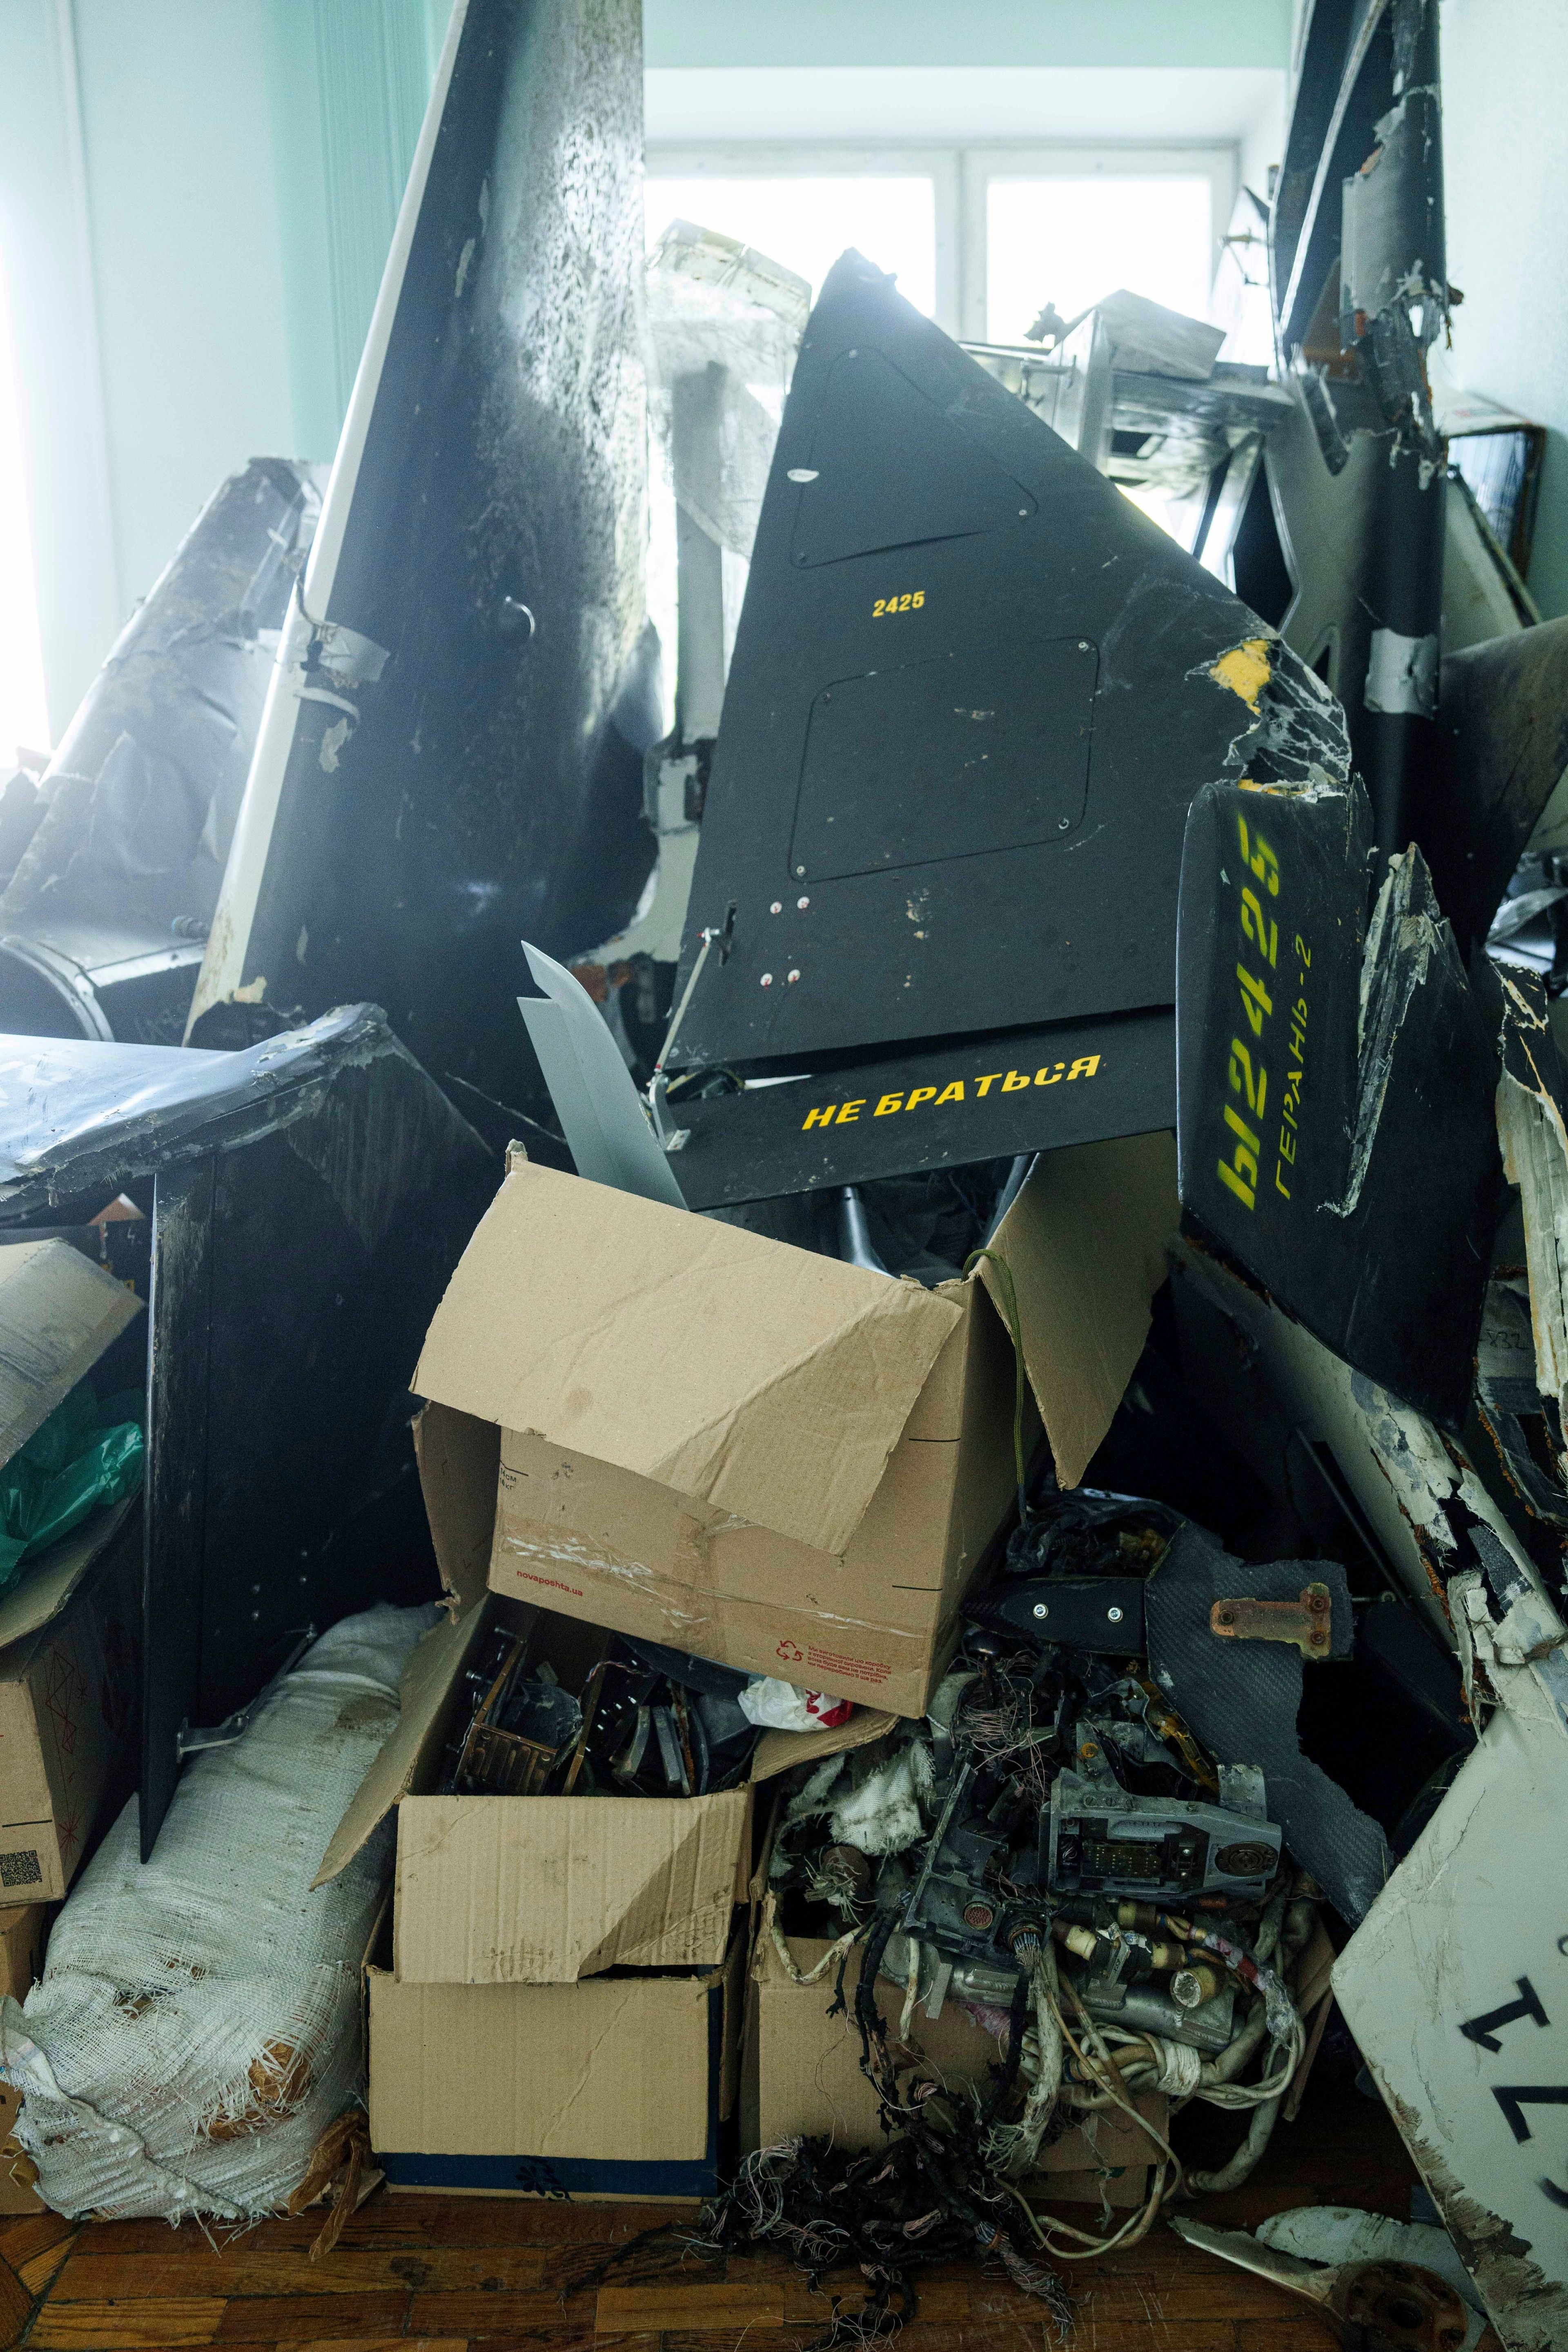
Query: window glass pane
x=807 y=223
x=1072 y=241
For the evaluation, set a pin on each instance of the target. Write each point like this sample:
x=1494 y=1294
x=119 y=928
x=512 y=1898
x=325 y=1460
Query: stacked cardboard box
x=559 y=2012
x=666 y=1426
x=68 y=1635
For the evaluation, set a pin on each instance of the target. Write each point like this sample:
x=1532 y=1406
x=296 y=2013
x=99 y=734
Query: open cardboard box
x=680 y=1429
x=543 y=1890
x=559 y=2012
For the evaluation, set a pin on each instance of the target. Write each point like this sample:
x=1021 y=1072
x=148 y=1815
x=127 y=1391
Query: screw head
x=778 y=906
x=767 y=979
x=802 y=904
x=800 y=869
x=1063 y=823
x=1113 y=1616
x=1040 y=1608
x=792 y=976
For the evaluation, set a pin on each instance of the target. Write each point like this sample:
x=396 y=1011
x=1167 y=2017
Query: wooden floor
x=472 y=2274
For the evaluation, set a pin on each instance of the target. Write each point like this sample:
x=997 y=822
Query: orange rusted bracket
x=1306 y=1624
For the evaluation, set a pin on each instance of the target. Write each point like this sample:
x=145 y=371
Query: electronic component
x=1104 y=1841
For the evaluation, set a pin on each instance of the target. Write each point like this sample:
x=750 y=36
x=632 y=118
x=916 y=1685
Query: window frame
x=960 y=173
x=769 y=159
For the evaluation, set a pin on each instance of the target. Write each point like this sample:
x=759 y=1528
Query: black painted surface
x=973 y=1098
x=1241 y=1699
x=309 y=1199
x=130 y=828
x=487 y=787
x=1007 y=755
x=1346 y=1154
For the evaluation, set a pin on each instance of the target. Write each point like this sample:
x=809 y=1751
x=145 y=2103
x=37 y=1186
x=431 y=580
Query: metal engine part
x=1105 y=1842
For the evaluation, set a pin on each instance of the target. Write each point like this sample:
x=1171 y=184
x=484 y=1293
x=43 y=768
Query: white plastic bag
x=784 y=1707
x=198 y=2022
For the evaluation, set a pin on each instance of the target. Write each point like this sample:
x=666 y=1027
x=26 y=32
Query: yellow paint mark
x=253 y=991
x=1246 y=669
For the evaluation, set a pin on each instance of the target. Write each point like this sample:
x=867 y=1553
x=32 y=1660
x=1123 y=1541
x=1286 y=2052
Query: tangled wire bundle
x=933 y=2193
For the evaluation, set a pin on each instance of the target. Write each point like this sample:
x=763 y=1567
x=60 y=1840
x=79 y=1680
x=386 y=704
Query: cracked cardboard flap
x=766 y=1381
x=543 y=1890
x=459 y=1457
x=780 y=1751
x=60 y=1573
x=58 y=1313
x=1085 y=1243
x=431 y=1677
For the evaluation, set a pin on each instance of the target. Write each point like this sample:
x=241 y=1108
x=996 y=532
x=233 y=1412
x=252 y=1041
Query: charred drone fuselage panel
x=1335 y=1075
x=452 y=756
x=112 y=870
x=973 y=694
x=1359 y=475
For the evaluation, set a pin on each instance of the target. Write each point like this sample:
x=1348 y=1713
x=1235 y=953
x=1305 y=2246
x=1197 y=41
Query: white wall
x=187 y=262
x=46 y=236
x=196 y=198
x=1505 y=123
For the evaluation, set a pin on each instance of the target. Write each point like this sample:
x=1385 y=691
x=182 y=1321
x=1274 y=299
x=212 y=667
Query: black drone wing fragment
x=451 y=760
x=1502 y=727
x=309 y=1198
x=1240 y=1698
x=1335 y=1083
x=973 y=692
x=112 y=873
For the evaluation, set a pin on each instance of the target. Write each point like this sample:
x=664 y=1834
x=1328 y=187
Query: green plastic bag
x=82 y=1456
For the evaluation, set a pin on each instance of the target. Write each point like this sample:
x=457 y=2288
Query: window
x=1073 y=241
x=981 y=238
x=806 y=220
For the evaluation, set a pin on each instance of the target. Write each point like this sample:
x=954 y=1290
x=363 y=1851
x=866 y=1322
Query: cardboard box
x=616 y=2087
x=801 y=2074
x=68 y=1627
x=70 y=1640
x=782 y=1462
x=17 y=2170
x=23 y=1932
x=483 y=2077
x=58 y=1312
x=546 y=1890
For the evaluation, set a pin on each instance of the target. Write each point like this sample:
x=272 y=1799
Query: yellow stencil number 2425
x=887 y=605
